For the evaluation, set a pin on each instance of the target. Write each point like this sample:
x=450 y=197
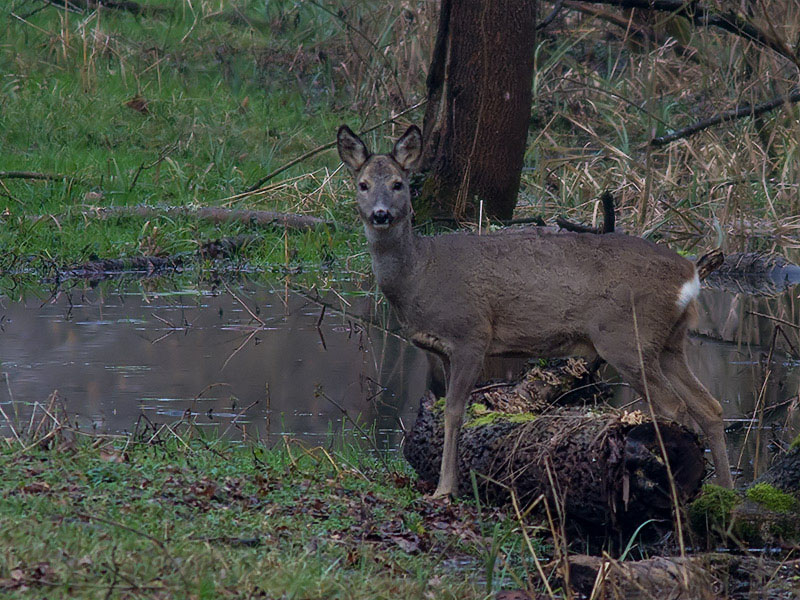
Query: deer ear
x=352 y=150
x=408 y=149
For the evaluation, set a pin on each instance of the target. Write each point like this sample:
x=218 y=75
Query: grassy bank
x=185 y=108
x=191 y=103
x=175 y=515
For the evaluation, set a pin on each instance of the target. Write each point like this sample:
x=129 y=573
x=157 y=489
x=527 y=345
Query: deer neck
x=394 y=253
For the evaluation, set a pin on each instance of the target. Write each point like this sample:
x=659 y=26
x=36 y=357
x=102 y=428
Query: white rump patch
x=689 y=291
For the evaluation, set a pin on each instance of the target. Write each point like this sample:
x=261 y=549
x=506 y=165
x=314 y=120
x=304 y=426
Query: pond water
x=116 y=352
x=249 y=360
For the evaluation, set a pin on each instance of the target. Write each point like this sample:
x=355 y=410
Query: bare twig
x=771 y=318
x=550 y=17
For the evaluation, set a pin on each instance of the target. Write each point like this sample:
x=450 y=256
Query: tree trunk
x=479 y=104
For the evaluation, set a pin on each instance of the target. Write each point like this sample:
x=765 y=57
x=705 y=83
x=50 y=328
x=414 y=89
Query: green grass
x=226 y=103
x=197 y=518
x=235 y=89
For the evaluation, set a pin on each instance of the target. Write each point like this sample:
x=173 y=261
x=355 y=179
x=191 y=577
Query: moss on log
x=767 y=513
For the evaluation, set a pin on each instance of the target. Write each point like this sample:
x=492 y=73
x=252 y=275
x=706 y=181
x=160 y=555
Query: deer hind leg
x=701 y=406
x=645 y=376
x=463 y=370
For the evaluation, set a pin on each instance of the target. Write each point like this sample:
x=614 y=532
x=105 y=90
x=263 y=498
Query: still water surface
x=269 y=362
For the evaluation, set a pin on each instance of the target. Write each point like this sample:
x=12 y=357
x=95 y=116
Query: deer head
x=382 y=193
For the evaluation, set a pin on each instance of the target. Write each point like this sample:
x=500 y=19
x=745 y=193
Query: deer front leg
x=463 y=373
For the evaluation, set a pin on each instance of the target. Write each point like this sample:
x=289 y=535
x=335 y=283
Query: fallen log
x=99 y=269
x=33 y=175
x=754 y=273
x=699 y=577
x=603 y=467
x=262 y=218
x=107 y=268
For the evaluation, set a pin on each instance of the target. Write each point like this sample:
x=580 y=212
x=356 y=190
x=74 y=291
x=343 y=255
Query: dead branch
x=550 y=17
x=262 y=218
x=746 y=110
x=609 y=218
x=701 y=16
x=633 y=30
x=709 y=262
x=124 y=5
x=698 y=577
x=33 y=175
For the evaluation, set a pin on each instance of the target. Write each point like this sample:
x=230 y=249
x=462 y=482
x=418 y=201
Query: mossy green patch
x=772 y=498
x=712 y=509
x=479 y=415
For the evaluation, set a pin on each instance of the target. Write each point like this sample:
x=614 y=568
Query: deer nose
x=382 y=217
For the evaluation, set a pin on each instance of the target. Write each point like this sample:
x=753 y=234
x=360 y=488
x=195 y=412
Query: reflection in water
x=114 y=354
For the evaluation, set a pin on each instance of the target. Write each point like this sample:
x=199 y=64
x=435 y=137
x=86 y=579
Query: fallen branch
x=699 y=577
x=123 y=5
x=746 y=110
x=33 y=175
x=263 y=218
x=609 y=218
x=154 y=265
x=766 y=513
x=754 y=273
x=632 y=30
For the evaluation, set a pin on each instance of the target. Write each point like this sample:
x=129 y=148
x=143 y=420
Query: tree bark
x=479 y=103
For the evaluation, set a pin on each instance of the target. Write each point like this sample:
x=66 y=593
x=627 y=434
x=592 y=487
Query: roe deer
x=530 y=292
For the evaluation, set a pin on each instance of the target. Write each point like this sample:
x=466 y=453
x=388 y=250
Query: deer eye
x=397 y=185
x=363 y=186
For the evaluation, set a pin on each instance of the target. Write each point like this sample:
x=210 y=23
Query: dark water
x=117 y=351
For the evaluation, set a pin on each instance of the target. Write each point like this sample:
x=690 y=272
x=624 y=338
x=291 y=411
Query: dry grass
x=601 y=96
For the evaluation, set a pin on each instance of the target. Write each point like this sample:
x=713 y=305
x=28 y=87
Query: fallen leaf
x=36 y=487
x=139 y=104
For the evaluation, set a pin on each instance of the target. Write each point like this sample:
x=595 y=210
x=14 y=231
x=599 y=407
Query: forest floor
x=170 y=514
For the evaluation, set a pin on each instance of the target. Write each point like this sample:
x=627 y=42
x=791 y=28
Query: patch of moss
x=795 y=443
x=477 y=409
x=772 y=498
x=712 y=509
x=439 y=404
x=483 y=417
